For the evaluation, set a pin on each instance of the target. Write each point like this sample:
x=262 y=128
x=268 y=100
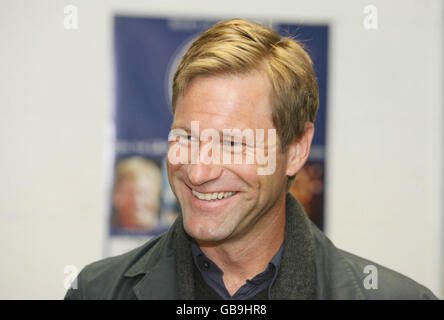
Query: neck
x=243 y=258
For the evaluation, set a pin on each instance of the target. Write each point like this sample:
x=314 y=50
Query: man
x=241 y=235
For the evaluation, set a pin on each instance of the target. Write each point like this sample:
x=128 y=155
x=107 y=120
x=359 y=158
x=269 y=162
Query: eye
x=234 y=146
x=231 y=143
x=187 y=138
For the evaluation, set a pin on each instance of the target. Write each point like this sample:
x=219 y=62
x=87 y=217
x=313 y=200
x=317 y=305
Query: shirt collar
x=199 y=256
x=212 y=275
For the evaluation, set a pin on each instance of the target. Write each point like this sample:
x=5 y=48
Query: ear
x=298 y=150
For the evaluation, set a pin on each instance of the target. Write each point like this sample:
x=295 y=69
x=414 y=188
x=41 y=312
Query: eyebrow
x=173 y=126
x=188 y=130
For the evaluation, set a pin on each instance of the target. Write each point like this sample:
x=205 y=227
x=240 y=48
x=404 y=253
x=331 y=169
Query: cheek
x=276 y=181
x=175 y=176
x=280 y=177
x=247 y=173
x=172 y=170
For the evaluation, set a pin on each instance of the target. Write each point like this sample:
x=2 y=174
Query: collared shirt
x=212 y=275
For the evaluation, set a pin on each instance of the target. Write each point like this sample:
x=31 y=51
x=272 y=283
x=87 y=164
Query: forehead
x=226 y=101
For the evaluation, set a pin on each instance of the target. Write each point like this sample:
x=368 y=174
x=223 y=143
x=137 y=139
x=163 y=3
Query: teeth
x=213 y=196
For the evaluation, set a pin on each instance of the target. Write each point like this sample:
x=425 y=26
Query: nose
x=200 y=173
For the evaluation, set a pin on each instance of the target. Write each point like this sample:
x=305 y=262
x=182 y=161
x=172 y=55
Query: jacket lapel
x=159 y=282
x=158 y=268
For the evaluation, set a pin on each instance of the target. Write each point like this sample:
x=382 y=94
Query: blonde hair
x=238 y=46
x=136 y=167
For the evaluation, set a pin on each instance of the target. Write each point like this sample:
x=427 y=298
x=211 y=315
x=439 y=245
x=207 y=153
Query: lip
x=208 y=191
x=209 y=204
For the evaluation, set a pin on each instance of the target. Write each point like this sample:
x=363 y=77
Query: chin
x=205 y=232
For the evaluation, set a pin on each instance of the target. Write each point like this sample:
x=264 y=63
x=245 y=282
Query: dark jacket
x=311 y=268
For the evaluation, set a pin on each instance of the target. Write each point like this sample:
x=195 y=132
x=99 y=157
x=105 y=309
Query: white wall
x=385 y=138
x=385 y=152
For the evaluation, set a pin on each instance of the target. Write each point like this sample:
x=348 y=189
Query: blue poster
x=146 y=54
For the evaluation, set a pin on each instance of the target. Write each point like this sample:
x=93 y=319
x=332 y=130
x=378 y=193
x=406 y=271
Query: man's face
x=227 y=102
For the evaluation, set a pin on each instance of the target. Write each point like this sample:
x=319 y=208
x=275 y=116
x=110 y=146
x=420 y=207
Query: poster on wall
x=146 y=53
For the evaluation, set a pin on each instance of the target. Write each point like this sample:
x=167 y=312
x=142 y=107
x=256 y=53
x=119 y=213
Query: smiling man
x=241 y=92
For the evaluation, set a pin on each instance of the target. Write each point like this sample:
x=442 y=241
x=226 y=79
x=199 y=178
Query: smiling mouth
x=213 y=196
